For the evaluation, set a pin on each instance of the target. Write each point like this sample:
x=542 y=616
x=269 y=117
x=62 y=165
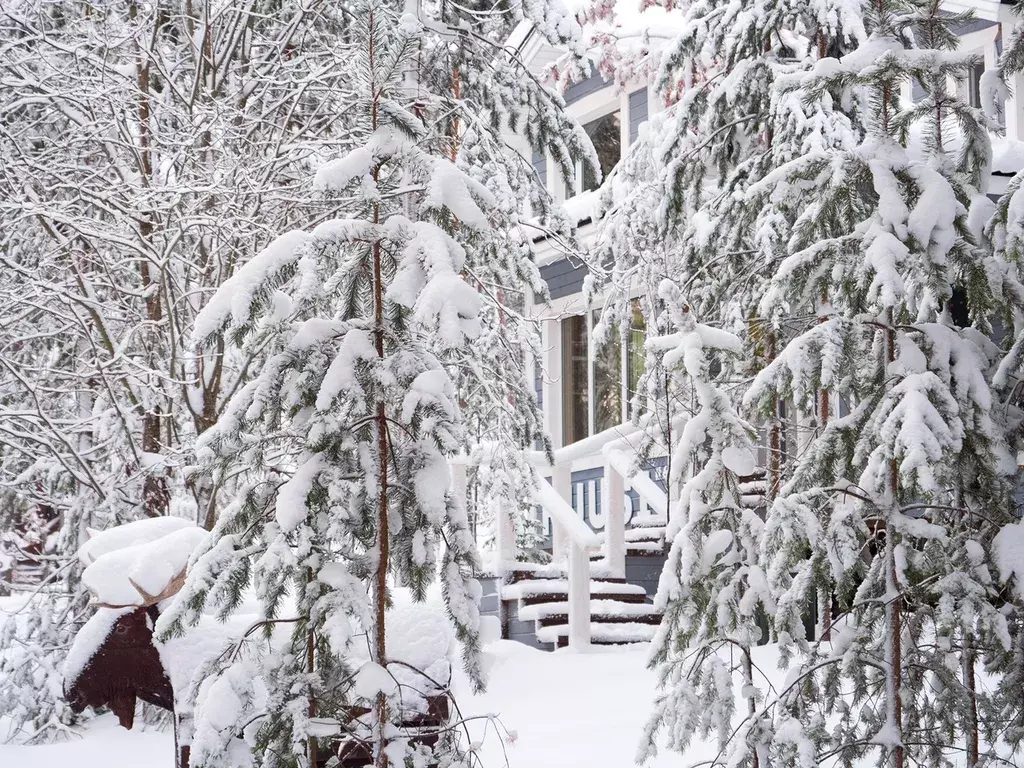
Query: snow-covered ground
x=104 y=744
x=568 y=708
x=564 y=708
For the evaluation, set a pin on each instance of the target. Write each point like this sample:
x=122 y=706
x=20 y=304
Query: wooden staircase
x=645 y=538
x=535 y=607
x=619 y=611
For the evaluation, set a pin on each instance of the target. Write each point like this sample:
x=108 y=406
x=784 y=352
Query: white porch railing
x=572 y=540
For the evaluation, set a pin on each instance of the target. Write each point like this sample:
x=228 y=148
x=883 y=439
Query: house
x=585 y=392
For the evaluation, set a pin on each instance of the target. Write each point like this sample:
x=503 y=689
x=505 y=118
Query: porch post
x=613 y=500
x=561 y=480
x=579 y=597
x=505 y=536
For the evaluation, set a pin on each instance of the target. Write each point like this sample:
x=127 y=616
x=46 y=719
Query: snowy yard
x=563 y=707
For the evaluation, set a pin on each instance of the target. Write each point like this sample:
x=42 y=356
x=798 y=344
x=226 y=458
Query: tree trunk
x=311 y=667
x=383 y=535
x=970 y=683
x=893 y=609
x=748 y=681
x=774 y=439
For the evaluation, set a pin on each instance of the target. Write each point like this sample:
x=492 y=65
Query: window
x=974 y=84
x=636 y=355
x=606 y=135
x=575 y=381
x=608 y=381
x=598 y=380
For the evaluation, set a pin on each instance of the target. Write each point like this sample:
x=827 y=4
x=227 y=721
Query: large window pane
x=575 y=384
x=974 y=83
x=636 y=356
x=606 y=135
x=608 y=382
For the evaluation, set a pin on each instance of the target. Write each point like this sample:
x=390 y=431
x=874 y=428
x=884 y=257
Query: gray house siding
x=592 y=84
x=564 y=277
x=637 y=112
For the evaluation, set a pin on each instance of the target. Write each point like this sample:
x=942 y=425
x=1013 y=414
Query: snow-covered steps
x=645 y=540
x=536 y=591
x=601 y=634
x=25 y=574
x=647 y=521
x=600 y=610
x=534 y=606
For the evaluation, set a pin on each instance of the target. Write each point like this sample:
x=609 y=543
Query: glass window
x=608 y=382
x=974 y=84
x=606 y=135
x=575 y=383
x=636 y=355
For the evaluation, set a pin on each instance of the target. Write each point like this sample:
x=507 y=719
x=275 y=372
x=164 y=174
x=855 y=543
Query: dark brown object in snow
x=422 y=729
x=126 y=667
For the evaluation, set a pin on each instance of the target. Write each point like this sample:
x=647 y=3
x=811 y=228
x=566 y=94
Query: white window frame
x=554 y=408
x=588 y=109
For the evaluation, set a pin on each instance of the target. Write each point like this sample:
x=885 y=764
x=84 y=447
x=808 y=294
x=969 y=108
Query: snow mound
x=421 y=644
x=183 y=656
x=116 y=577
x=129 y=534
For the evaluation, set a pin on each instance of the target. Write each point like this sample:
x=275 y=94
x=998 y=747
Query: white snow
x=138 y=532
x=584 y=206
x=234 y=297
x=337 y=174
x=1007 y=154
x=182 y=656
x=551 y=710
x=150 y=565
x=372 y=679
x=453 y=189
x=1008 y=554
x=625 y=632
x=291 y=496
x=739 y=460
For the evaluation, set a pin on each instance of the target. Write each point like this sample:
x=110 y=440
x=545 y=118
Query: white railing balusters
x=572 y=540
x=580 y=541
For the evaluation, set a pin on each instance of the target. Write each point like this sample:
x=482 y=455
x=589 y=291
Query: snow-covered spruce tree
x=712 y=588
x=1005 y=234
x=488 y=89
x=890 y=507
x=147 y=151
x=684 y=202
x=343 y=437
x=496 y=390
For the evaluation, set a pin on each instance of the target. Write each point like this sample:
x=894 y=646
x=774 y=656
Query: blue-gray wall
x=564 y=277
x=592 y=84
x=637 y=112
